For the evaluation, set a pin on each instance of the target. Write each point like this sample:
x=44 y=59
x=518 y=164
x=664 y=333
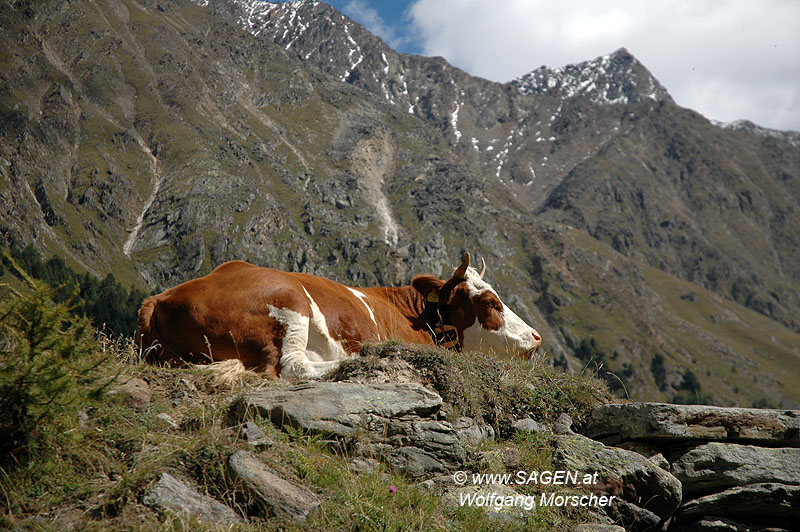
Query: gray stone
x=563 y=424
x=170 y=494
x=166 y=418
x=723 y=524
x=284 y=499
x=626 y=474
x=635 y=518
x=339 y=408
x=249 y=431
x=500 y=459
x=396 y=422
x=717 y=466
x=471 y=432
x=529 y=425
x=776 y=501
x=414 y=461
x=364 y=466
x=650 y=452
x=661 y=421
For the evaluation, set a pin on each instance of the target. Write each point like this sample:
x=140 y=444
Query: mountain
x=557 y=139
x=155 y=139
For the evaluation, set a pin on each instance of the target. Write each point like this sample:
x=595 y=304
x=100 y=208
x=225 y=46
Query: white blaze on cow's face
x=496 y=328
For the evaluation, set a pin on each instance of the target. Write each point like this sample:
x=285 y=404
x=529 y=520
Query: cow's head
x=483 y=322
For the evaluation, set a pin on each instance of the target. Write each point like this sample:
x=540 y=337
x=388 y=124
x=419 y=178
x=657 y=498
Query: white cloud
x=727 y=60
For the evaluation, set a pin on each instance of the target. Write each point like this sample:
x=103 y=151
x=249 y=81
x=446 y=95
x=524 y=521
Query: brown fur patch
x=489 y=310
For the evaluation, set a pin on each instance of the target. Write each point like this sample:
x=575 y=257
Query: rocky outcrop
x=398 y=422
x=667 y=422
x=715 y=466
x=646 y=494
x=739 y=467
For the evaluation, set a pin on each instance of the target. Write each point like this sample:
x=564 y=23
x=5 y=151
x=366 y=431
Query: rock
x=133 y=390
x=166 y=418
x=413 y=461
x=626 y=474
x=499 y=460
x=364 y=466
x=661 y=421
x=393 y=421
x=779 y=502
x=717 y=466
x=250 y=431
x=170 y=494
x=529 y=425
x=284 y=499
x=416 y=446
x=650 y=452
x=471 y=432
x=339 y=408
x=563 y=424
x=632 y=516
x=597 y=527
x=723 y=524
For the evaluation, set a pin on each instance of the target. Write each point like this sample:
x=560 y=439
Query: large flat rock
x=660 y=421
x=398 y=422
x=339 y=408
x=716 y=466
x=779 y=503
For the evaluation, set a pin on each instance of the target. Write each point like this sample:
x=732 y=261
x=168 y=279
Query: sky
x=726 y=59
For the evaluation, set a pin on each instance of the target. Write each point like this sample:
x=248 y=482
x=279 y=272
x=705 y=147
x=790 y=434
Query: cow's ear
x=427 y=285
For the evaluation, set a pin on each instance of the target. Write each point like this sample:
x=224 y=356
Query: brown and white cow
x=296 y=325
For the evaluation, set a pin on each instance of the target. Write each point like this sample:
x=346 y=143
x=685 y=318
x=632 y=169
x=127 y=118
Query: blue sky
x=388 y=19
x=729 y=59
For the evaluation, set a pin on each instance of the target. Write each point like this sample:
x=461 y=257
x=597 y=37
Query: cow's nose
x=537 y=339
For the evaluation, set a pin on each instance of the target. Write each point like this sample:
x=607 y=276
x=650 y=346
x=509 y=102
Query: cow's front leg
x=299 y=360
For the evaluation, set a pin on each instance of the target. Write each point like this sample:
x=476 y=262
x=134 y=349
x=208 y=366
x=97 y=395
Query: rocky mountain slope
x=156 y=139
x=598 y=145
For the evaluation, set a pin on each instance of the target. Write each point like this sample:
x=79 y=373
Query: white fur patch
x=363 y=298
x=307 y=351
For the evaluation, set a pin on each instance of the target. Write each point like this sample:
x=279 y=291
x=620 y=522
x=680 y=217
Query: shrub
x=49 y=361
x=659 y=371
x=689 y=391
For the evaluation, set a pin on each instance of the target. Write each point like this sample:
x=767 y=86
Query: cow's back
x=221 y=316
x=244 y=311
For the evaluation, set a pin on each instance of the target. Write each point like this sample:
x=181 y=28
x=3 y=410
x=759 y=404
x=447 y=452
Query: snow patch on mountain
x=792 y=137
x=616 y=78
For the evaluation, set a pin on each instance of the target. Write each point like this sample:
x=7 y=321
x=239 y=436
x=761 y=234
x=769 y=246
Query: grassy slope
x=95 y=457
x=739 y=355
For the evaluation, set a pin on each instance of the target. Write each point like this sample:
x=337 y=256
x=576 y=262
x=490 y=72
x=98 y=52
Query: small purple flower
x=392 y=488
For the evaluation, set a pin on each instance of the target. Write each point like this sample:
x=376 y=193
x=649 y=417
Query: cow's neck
x=405 y=300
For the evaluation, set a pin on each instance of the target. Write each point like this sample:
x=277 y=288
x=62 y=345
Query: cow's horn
x=483 y=267
x=461 y=271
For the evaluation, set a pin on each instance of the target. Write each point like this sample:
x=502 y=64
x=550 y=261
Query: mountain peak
x=615 y=78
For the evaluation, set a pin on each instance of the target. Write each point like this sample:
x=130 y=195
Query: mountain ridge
x=167 y=139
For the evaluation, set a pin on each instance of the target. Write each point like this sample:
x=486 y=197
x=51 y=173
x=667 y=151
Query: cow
x=296 y=325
